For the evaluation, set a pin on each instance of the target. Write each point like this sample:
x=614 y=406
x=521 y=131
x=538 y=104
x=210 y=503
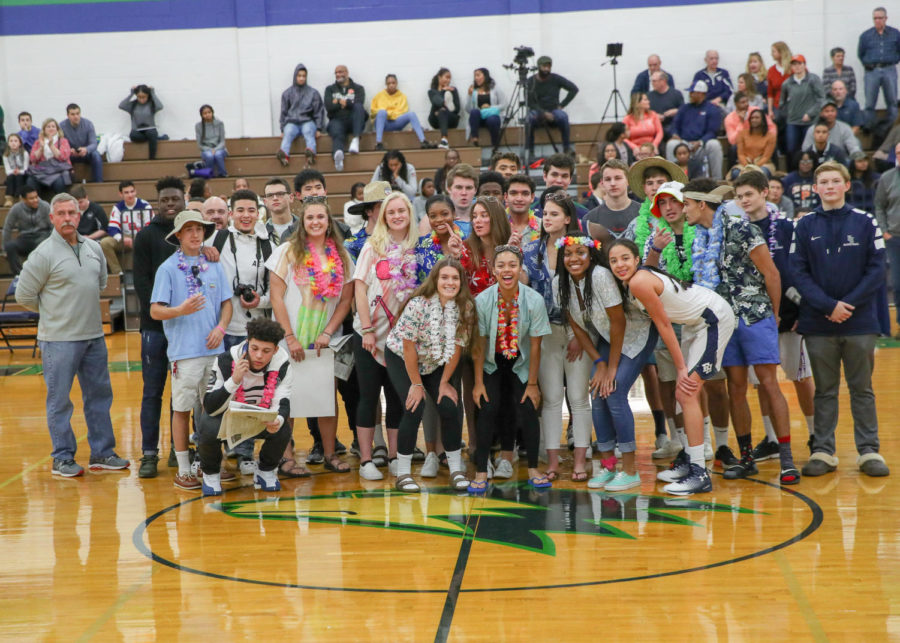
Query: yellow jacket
x=395 y=105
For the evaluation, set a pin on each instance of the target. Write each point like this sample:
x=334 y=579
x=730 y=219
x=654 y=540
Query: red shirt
x=775 y=79
x=480 y=276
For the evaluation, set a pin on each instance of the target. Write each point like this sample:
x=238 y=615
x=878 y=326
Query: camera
x=613 y=49
x=523 y=53
x=245 y=292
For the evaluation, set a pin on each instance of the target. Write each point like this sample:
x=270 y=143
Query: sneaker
x=428 y=145
x=225 y=475
x=186 y=481
x=680 y=467
x=745 y=467
x=283 y=158
x=339 y=161
x=392 y=467
x=247 y=466
x=379 y=147
x=431 y=466
x=603 y=476
x=444 y=144
x=267 y=481
x=109 y=463
x=316 y=454
x=490 y=469
x=623 y=481
x=195 y=469
x=666 y=448
x=339 y=447
x=697 y=481
x=725 y=457
x=765 y=450
x=707 y=451
x=211 y=486
x=503 y=468
x=310 y=157
x=369 y=471
x=173 y=461
x=354 y=146
x=66 y=468
x=354 y=448
x=148 y=467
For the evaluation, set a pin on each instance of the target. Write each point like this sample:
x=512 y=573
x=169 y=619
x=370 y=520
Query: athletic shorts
x=704 y=344
x=794 y=361
x=665 y=366
x=753 y=344
x=189 y=380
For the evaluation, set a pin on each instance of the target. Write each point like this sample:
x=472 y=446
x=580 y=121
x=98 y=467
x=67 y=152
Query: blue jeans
x=884 y=79
x=230 y=341
x=492 y=123
x=382 y=124
x=292 y=131
x=560 y=121
x=215 y=161
x=96 y=162
x=893 y=256
x=613 y=419
x=154 y=370
x=794 y=138
x=87 y=359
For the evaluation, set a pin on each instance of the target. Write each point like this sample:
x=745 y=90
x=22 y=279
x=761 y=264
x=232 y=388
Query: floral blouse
x=540 y=278
x=741 y=283
x=480 y=276
x=429 y=251
x=433 y=328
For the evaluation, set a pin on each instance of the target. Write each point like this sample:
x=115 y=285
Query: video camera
x=523 y=53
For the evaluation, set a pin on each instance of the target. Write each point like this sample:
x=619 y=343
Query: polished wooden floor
x=112 y=557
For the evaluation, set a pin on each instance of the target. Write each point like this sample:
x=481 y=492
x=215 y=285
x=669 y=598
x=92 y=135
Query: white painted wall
x=242 y=72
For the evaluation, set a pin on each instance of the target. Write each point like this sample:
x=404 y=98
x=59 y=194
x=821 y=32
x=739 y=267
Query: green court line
x=37 y=369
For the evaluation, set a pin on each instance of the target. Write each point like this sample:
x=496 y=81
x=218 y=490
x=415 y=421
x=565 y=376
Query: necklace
x=508 y=326
x=643 y=226
x=436 y=240
x=707 y=247
x=679 y=264
x=324 y=282
x=268 y=391
x=442 y=351
x=772 y=212
x=402 y=270
x=192 y=273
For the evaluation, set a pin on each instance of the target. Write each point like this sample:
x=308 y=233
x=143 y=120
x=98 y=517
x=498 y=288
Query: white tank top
x=686 y=305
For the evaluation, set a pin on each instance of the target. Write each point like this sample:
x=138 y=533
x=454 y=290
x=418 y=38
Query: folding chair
x=17 y=320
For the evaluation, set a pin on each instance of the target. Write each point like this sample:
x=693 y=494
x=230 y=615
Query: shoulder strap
x=219 y=239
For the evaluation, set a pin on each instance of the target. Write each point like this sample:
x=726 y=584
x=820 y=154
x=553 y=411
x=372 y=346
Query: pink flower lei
x=562 y=242
x=268 y=390
x=324 y=282
x=402 y=268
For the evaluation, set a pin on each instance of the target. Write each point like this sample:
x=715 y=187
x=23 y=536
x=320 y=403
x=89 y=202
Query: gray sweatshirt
x=301 y=103
x=27 y=221
x=214 y=138
x=64 y=287
x=805 y=97
x=143 y=116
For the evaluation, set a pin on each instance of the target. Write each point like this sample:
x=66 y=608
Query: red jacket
x=775 y=79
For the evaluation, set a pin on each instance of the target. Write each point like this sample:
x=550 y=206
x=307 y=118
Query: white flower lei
x=442 y=350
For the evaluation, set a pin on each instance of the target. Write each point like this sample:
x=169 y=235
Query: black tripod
x=517 y=108
x=615 y=96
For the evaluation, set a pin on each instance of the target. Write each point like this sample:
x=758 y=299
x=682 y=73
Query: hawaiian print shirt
x=422 y=322
x=533 y=231
x=480 y=276
x=355 y=244
x=540 y=277
x=429 y=252
x=741 y=283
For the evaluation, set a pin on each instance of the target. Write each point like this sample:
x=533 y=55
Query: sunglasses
x=558 y=197
x=516 y=250
x=195 y=272
x=489 y=199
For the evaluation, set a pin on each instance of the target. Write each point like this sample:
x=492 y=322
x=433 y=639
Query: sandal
x=407 y=483
x=442 y=460
x=477 y=487
x=552 y=476
x=458 y=481
x=335 y=464
x=790 y=476
x=418 y=455
x=540 y=482
x=380 y=456
x=579 y=476
x=293 y=471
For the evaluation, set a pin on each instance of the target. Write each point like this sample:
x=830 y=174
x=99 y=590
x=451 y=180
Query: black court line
x=459 y=571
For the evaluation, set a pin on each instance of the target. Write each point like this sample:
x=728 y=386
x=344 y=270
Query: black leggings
x=209 y=446
x=372 y=377
x=149 y=135
x=504 y=389
x=443 y=120
x=451 y=432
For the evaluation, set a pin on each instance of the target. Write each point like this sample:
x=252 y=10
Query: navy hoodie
x=838 y=255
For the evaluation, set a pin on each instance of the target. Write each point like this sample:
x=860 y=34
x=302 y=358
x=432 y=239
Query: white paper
x=244 y=421
x=312 y=394
x=343 y=357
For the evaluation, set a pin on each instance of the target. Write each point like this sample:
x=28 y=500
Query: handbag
x=487 y=112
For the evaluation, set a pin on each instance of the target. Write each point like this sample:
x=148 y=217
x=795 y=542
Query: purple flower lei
x=403 y=271
x=194 y=285
x=772 y=211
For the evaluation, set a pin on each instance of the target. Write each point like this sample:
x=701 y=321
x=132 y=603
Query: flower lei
x=268 y=391
x=436 y=241
x=643 y=225
x=195 y=286
x=402 y=268
x=707 y=248
x=533 y=222
x=444 y=347
x=678 y=264
x=772 y=211
x=508 y=337
x=324 y=282
x=587 y=242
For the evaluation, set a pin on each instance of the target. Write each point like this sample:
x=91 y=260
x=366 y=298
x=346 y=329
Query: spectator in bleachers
x=682 y=158
x=395 y=170
x=198 y=193
x=596 y=194
x=142 y=104
x=484 y=104
x=779 y=72
x=126 y=219
x=616 y=136
x=756 y=67
x=755 y=143
x=391 y=113
x=93 y=222
x=302 y=112
x=210 y=133
x=15 y=165
x=355 y=221
x=451 y=159
x=282 y=222
x=27 y=132
x=617 y=209
x=31 y=218
x=506 y=163
x=863 y=182
x=737 y=120
x=50 y=165
x=664 y=100
x=822 y=149
x=887 y=212
x=345 y=104
x=215 y=210
x=544 y=105
x=777 y=196
x=644 y=125
x=802 y=96
x=309 y=182
x=879 y=52
x=746 y=84
x=2 y=132
x=491 y=184
x=848 y=110
x=718 y=81
x=798 y=185
x=644 y=151
x=840 y=71
x=644 y=77
x=82 y=139
x=445 y=105
x=839 y=133
x=697 y=124
x=426 y=190
x=462 y=184
x=885 y=156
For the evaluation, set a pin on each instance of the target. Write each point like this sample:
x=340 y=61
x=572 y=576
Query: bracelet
x=221 y=329
x=657 y=250
x=418 y=384
x=532 y=384
x=327 y=334
x=599 y=359
x=366 y=331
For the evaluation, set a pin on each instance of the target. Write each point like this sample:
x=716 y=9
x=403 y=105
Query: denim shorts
x=753 y=344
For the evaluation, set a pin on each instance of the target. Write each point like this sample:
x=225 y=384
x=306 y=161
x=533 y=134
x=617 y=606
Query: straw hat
x=636 y=173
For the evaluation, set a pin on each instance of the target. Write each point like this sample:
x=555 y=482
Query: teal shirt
x=533 y=322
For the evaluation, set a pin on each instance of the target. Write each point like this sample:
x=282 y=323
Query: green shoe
x=599 y=481
x=148 y=466
x=173 y=461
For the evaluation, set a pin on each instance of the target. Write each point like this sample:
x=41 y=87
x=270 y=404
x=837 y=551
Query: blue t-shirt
x=187 y=334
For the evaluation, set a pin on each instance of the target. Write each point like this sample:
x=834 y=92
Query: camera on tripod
x=523 y=53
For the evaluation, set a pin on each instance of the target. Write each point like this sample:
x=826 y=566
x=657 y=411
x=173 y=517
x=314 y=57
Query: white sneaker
x=392 y=467
x=248 y=467
x=431 y=466
x=707 y=451
x=354 y=146
x=503 y=468
x=661 y=441
x=339 y=161
x=669 y=449
x=370 y=472
x=444 y=144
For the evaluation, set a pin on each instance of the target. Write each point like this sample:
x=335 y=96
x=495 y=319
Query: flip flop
x=477 y=487
x=579 y=476
x=552 y=476
x=540 y=482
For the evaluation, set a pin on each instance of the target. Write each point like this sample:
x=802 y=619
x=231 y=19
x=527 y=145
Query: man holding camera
x=544 y=106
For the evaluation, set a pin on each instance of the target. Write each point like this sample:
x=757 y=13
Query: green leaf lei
x=674 y=265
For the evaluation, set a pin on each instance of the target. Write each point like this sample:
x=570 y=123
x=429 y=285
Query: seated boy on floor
x=256 y=371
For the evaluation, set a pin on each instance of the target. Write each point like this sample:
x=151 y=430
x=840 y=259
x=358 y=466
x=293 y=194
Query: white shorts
x=794 y=360
x=189 y=379
x=665 y=365
x=703 y=345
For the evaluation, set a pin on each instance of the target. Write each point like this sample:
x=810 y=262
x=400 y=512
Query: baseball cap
x=699 y=86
